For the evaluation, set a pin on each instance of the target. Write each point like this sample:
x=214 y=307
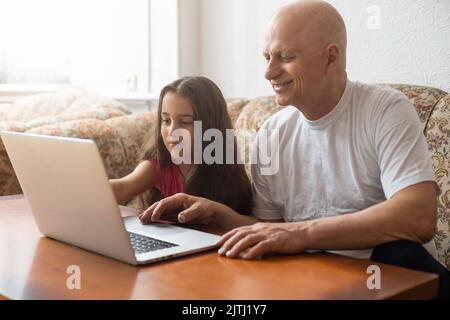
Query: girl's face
x=176 y=113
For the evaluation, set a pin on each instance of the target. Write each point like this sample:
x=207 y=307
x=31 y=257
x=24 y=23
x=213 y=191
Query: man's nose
x=272 y=70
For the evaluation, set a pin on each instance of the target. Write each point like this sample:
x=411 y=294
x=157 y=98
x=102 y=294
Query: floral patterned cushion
x=235 y=107
x=8 y=180
x=438 y=135
x=16 y=126
x=70 y=104
x=423 y=98
x=90 y=103
x=132 y=130
x=46 y=104
x=99 y=114
x=256 y=112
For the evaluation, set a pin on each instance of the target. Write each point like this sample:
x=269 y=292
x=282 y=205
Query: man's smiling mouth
x=281 y=85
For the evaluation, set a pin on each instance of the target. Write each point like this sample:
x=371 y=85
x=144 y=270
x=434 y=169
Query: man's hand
x=190 y=210
x=252 y=242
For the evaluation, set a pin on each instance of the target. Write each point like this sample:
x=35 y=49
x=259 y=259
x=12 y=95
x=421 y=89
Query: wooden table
x=35 y=267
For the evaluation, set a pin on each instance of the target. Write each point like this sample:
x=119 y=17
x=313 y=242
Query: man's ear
x=333 y=53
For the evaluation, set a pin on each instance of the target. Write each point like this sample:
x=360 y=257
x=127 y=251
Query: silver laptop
x=69 y=193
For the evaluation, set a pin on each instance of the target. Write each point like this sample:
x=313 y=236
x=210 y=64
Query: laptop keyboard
x=143 y=244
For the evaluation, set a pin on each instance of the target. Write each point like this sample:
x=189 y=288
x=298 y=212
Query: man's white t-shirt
x=369 y=147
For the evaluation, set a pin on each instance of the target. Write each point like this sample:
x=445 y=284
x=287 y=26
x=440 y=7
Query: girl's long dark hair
x=225 y=183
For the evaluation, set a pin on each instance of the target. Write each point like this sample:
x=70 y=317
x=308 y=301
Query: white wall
x=231 y=47
x=412 y=44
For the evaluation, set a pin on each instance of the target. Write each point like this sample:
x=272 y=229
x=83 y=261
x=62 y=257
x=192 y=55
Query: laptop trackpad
x=159 y=230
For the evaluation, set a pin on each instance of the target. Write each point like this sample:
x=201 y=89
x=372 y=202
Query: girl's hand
x=190 y=210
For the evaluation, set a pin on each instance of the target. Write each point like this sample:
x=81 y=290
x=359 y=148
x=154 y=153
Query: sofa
x=120 y=134
x=75 y=113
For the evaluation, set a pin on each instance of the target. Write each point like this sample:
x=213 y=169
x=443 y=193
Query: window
x=102 y=45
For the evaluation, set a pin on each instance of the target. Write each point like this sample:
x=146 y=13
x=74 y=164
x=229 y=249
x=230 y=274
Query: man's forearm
x=350 y=231
x=408 y=216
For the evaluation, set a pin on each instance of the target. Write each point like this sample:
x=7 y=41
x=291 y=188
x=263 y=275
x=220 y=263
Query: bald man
x=354 y=173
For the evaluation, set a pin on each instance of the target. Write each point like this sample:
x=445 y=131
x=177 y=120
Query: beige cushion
x=46 y=104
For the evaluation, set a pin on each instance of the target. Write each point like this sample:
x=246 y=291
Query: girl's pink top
x=169 y=180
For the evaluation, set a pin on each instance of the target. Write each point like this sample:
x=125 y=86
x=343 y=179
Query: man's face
x=295 y=66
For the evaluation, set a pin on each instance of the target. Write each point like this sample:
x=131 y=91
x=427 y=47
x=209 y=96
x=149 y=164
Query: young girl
x=181 y=103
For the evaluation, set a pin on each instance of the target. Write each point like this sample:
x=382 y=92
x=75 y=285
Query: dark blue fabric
x=412 y=255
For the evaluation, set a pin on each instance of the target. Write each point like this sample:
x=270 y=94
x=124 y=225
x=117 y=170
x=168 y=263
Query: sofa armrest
x=437 y=133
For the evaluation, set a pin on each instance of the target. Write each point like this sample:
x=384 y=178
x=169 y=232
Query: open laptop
x=65 y=183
